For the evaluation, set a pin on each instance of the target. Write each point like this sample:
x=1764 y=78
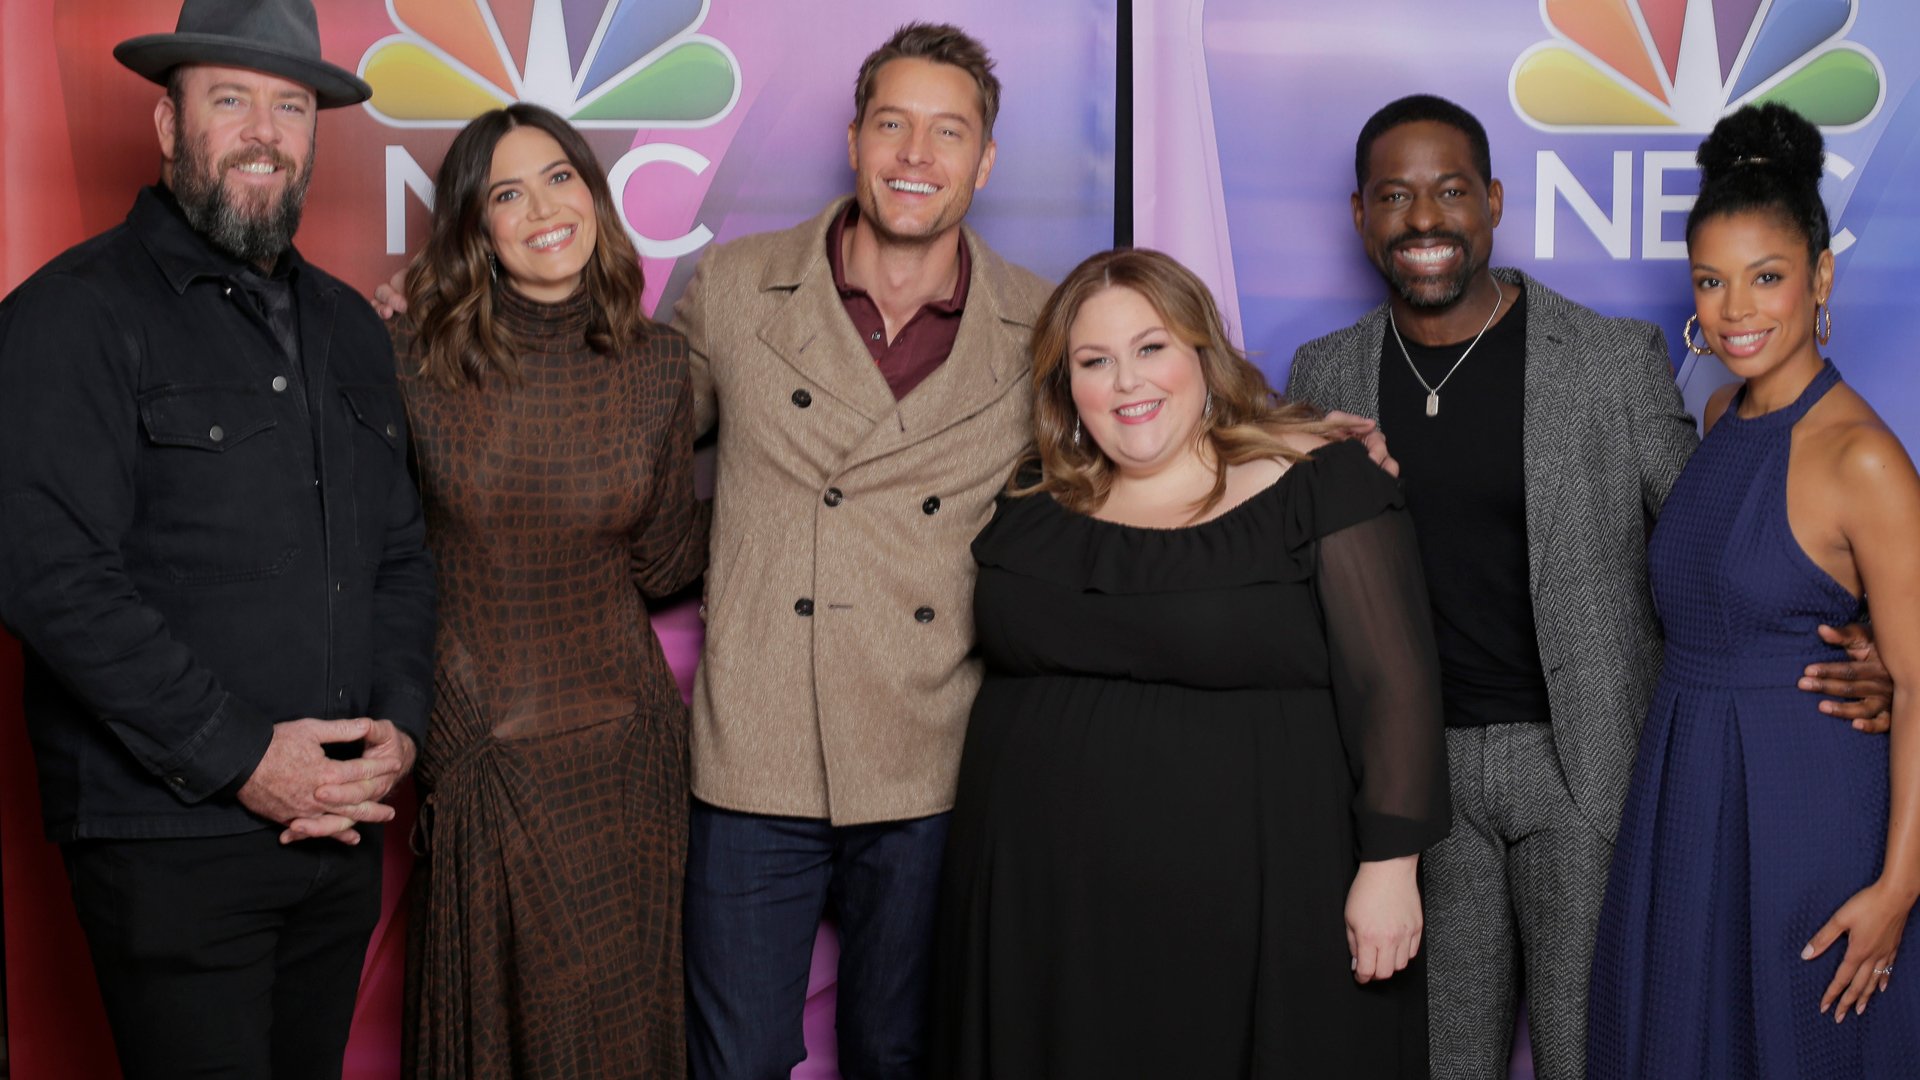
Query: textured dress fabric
x=547 y=905
x=1752 y=816
x=1186 y=741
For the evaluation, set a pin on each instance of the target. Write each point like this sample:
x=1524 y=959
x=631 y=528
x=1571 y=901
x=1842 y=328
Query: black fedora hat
x=280 y=37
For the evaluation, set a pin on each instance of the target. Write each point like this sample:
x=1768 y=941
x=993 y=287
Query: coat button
x=803 y=607
x=924 y=615
x=833 y=497
x=216 y=433
x=279 y=384
x=802 y=398
x=177 y=781
x=392 y=432
x=931 y=506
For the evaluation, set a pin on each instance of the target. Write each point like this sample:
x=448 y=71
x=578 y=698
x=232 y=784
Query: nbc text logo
x=599 y=63
x=1675 y=67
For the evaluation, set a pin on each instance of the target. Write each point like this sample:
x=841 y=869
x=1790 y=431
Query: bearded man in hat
x=212 y=552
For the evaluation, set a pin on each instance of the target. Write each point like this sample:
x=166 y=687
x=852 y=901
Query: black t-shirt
x=1464 y=481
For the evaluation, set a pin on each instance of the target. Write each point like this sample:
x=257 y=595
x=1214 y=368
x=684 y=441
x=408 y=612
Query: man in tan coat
x=867 y=372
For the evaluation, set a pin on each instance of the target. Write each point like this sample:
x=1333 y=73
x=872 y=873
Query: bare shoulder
x=1855 y=447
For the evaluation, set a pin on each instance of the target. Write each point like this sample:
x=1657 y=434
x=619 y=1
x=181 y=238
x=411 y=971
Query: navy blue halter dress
x=1752 y=816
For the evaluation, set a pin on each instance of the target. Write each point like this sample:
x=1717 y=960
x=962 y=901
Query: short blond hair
x=941 y=43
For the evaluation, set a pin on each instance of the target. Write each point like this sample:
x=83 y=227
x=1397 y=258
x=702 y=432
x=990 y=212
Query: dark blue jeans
x=756 y=889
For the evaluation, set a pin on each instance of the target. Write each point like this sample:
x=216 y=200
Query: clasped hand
x=297 y=785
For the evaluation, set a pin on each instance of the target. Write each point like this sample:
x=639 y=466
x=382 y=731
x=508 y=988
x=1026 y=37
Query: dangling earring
x=493 y=267
x=1824 y=333
x=1207 y=409
x=1686 y=334
x=1076 y=430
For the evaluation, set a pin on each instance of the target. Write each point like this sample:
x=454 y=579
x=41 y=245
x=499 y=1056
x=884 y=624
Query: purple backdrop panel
x=1248 y=110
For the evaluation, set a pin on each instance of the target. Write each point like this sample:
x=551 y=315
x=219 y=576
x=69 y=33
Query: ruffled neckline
x=1266 y=538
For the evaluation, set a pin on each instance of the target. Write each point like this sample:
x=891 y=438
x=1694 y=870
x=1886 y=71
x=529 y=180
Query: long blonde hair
x=1248 y=421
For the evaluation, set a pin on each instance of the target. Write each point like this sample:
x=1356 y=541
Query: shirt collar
x=184 y=255
x=953 y=305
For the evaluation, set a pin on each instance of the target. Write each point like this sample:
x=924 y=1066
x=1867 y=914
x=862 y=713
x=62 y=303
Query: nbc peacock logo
x=1677 y=66
x=599 y=63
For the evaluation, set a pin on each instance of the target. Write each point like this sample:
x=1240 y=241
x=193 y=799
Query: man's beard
x=1425 y=292
x=252 y=234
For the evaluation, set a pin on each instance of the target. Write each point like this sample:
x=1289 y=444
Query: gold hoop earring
x=1686 y=335
x=1825 y=332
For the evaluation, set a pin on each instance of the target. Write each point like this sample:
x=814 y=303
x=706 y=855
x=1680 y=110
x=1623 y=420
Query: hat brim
x=152 y=56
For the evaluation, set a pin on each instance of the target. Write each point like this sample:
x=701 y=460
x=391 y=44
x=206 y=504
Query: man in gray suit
x=1537 y=440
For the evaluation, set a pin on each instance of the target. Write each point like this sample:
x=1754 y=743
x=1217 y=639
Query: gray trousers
x=1512 y=898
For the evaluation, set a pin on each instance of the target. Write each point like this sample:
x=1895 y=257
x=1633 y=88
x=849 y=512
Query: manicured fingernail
x=1807 y=954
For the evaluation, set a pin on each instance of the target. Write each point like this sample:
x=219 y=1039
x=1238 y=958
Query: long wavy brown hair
x=1248 y=421
x=452 y=286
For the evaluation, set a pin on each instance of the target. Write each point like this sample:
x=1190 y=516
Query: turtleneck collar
x=534 y=323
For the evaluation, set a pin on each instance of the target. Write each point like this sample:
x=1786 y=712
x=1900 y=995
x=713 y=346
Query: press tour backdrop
x=718 y=118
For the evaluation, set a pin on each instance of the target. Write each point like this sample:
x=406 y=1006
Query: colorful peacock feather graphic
x=599 y=63
x=1677 y=66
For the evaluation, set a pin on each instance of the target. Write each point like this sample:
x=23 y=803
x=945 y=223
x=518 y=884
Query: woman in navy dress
x=1208 y=749
x=1769 y=858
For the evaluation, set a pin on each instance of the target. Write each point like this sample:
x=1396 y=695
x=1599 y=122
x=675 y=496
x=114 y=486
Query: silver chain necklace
x=1433 y=392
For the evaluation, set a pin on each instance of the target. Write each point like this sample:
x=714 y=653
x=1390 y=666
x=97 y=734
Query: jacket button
x=803 y=607
x=216 y=433
x=931 y=506
x=924 y=615
x=802 y=398
x=833 y=497
x=177 y=781
x=392 y=432
x=279 y=383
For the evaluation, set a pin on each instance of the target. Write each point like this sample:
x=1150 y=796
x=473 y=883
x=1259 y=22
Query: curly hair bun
x=1770 y=135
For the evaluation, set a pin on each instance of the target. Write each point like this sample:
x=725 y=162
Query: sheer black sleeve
x=1386 y=683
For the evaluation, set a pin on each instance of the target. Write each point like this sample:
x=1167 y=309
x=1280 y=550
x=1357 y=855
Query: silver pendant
x=1433 y=403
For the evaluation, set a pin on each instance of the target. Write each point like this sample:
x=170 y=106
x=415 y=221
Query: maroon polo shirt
x=922 y=345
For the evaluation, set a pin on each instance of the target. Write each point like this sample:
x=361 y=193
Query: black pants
x=228 y=956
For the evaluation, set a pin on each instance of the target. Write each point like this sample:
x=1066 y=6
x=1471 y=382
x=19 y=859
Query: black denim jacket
x=198 y=537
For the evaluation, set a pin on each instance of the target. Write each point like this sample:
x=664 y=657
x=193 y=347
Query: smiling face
x=540 y=219
x=1137 y=387
x=1755 y=290
x=237 y=151
x=1426 y=216
x=919 y=152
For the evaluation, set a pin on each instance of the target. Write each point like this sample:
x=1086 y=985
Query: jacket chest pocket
x=377 y=440
x=216 y=486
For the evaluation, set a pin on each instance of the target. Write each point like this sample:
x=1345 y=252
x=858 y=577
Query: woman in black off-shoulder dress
x=1208 y=748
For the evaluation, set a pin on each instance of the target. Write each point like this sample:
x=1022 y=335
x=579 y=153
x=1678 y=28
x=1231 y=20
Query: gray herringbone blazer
x=1605 y=434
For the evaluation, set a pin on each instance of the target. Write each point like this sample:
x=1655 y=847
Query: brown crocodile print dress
x=546 y=935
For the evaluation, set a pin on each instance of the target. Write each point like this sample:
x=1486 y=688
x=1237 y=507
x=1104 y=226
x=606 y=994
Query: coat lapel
x=811 y=330
x=989 y=359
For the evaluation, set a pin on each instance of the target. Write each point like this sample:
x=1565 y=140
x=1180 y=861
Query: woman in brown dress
x=553 y=435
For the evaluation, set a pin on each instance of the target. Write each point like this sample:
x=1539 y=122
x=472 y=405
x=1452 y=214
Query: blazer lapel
x=1363 y=369
x=1551 y=409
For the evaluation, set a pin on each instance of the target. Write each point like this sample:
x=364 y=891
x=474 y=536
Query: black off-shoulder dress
x=1186 y=742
